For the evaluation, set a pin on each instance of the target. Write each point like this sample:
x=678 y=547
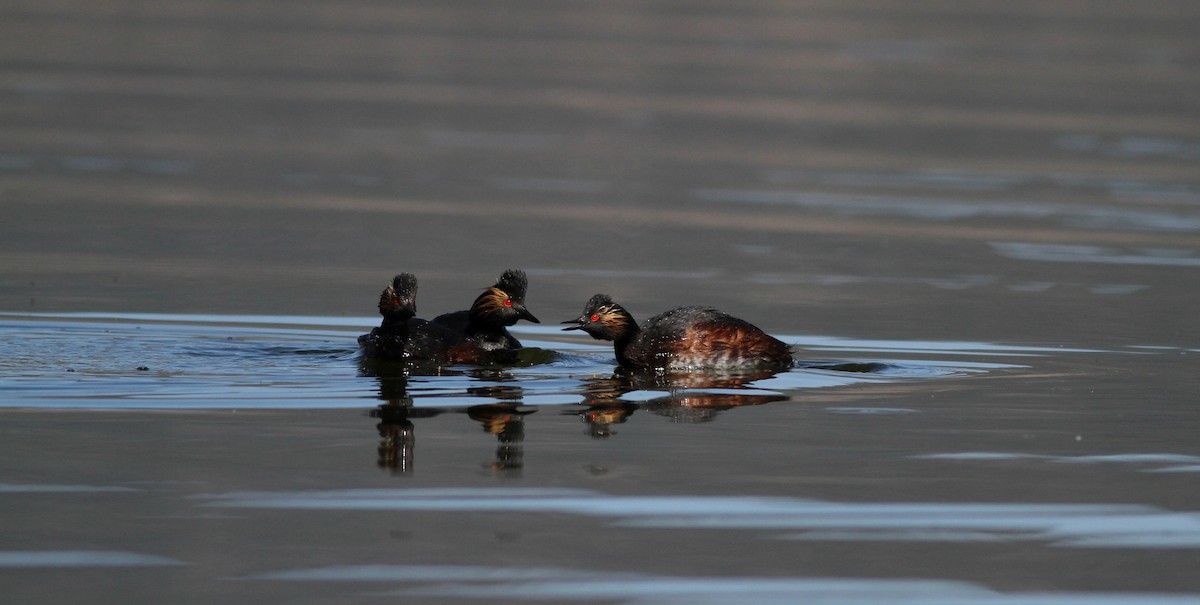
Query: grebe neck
x=626 y=333
x=395 y=322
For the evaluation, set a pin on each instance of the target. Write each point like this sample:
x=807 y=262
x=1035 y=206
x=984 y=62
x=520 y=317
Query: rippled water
x=173 y=362
x=977 y=224
x=130 y=361
x=270 y=435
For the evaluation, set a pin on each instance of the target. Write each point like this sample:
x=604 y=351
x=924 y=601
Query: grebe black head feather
x=503 y=304
x=604 y=319
x=399 y=300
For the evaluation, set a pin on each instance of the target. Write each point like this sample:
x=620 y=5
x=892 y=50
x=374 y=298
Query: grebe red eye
x=396 y=300
x=508 y=302
x=595 y=317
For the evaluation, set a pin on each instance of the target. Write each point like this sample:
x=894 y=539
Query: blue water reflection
x=168 y=361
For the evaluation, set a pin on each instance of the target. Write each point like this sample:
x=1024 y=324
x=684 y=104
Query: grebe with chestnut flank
x=684 y=338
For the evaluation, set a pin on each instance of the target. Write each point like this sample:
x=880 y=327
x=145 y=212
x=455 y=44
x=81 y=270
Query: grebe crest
x=503 y=304
x=399 y=300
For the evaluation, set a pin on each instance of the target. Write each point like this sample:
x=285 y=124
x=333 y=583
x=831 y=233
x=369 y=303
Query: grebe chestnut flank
x=683 y=338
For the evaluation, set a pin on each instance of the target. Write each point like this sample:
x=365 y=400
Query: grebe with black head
x=498 y=307
x=401 y=335
x=684 y=338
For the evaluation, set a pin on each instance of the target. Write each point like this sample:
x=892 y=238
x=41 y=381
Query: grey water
x=978 y=224
x=261 y=455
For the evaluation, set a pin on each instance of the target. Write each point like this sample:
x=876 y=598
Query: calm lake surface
x=978 y=226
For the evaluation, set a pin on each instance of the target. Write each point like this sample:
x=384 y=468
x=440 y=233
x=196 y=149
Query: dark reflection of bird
x=396 y=412
x=397 y=444
x=703 y=407
x=688 y=398
x=401 y=335
x=684 y=338
x=600 y=417
x=506 y=421
x=498 y=307
x=397 y=434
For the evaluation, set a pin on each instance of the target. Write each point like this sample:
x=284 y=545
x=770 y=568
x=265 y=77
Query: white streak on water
x=1093 y=525
x=1062 y=253
x=421 y=573
x=948 y=347
x=1090 y=217
x=561 y=585
x=871 y=411
x=1183 y=463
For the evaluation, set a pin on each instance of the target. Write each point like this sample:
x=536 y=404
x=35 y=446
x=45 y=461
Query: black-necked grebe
x=499 y=306
x=402 y=335
x=684 y=338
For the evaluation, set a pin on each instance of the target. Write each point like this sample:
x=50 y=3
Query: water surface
x=245 y=453
x=979 y=224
